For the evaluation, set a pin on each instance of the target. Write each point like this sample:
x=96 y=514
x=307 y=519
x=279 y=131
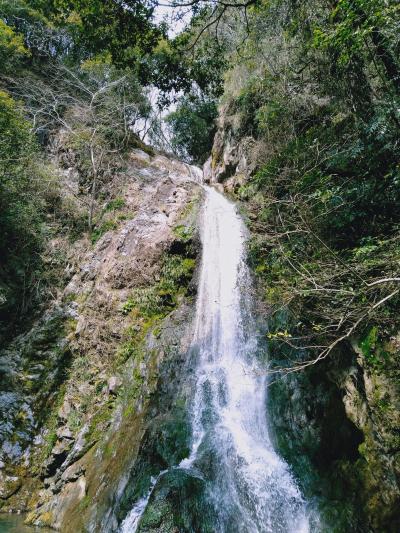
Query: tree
x=193 y=127
x=21 y=207
x=12 y=47
x=123 y=29
x=96 y=105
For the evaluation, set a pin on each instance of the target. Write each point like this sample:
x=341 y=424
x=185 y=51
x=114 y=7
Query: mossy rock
x=178 y=503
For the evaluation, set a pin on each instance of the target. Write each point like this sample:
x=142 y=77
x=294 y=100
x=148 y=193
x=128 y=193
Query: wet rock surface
x=178 y=504
x=327 y=425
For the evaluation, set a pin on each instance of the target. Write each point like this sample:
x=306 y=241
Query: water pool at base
x=14 y=523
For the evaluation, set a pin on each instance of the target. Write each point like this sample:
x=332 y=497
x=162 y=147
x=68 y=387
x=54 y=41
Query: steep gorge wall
x=79 y=390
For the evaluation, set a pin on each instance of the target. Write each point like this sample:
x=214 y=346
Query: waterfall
x=250 y=488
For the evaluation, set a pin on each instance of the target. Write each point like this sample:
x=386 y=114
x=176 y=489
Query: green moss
x=147 y=306
x=384 y=404
x=100 y=421
x=156 y=516
x=173 y=438
x=70 y=326
x=50 y=440
x=363 y=449
x=85 y=502
x=115 y=204
x=136 y=334
x=373 y=350
x=50 y=426
x=99 y=386
x=368 y=343
x=100 y=230
x=184 y=233
x=138 y=143
x=122 y=217
x=75 y=419
x=108 y=450
x=137 y=384
x=128 y=411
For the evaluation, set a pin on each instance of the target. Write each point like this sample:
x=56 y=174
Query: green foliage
x=352 y=23
x=85 y=502
x=16 y=140
x=114 y=205
x=374 y=351
x=50 y=439
x=316 y=87
x=53 y=79
x=100 y=421
x=257 y=108
x=100 y=230
x=159 y=299
x=30 y=196
x=42 y=38
x=184 y=233
x=368 y=343
x=125 y=30
x=193 y=128
x=11 y=46
x=175 y=65
x=21 y=203
x=146 y=306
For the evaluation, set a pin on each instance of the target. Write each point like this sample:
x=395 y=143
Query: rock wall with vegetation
x=98 y=248
x=307 y=144
x=86 y=375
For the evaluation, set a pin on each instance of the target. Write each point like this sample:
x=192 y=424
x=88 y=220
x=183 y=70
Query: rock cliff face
x=233 y=156
x=94 y=395
x=80 y=391
x=337 y=423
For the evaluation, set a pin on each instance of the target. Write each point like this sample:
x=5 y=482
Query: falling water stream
x=251 y=489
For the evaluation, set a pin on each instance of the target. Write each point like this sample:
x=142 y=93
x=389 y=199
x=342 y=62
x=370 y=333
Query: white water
x=131 y=522
x=250 y=487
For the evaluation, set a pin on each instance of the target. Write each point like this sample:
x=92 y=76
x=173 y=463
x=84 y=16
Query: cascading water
x=250 y=488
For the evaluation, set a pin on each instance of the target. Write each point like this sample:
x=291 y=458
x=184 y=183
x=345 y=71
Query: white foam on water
x=252 y=489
